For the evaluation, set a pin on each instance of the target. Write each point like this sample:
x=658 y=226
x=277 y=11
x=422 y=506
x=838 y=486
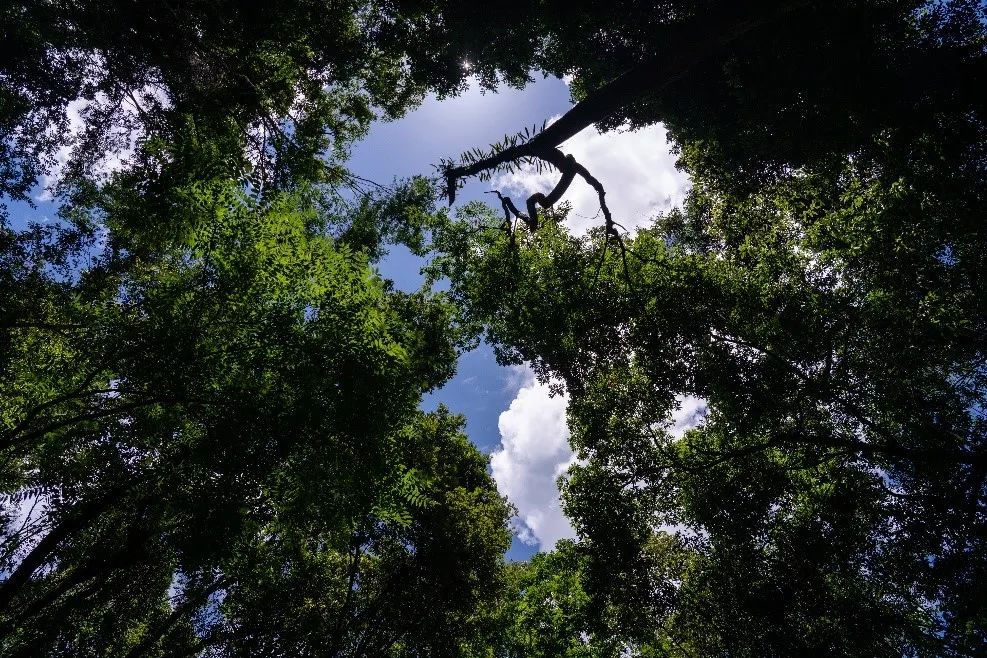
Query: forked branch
x=570 y=168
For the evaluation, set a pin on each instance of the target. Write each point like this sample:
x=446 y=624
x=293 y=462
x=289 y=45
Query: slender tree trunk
x=41 y=553
x=176 y=615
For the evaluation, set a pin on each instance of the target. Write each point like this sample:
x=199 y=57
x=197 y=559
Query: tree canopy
x=820 y=292
x=210 y=424
x=219 y=447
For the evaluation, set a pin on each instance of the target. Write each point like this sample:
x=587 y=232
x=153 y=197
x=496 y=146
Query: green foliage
x=548 y=614
x=832 y=499
x=218 y=435
x=820 y=292
x=210 y=434
x=209 y=424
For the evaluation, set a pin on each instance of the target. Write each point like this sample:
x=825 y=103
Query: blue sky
x=509 y=415
x=481 y=390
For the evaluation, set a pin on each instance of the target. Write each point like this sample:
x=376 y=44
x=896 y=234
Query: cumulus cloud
x=534 y=452
x=637 y=168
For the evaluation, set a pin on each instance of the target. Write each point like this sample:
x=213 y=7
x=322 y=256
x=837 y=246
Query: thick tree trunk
x=650 y=77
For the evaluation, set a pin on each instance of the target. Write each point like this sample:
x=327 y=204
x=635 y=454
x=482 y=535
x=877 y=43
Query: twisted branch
x=694 y=46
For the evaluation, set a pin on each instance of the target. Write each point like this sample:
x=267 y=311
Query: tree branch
x=190 y=604
x=646 y=78
x=40 y=554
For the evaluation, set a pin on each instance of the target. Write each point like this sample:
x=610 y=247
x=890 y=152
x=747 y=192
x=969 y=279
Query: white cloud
x=534 y=453
x=690 y=413
x=637 y=169
x=76 y=126
x=127 y=135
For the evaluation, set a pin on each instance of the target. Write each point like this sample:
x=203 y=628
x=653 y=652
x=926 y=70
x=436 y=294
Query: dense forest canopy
x=210 y=424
